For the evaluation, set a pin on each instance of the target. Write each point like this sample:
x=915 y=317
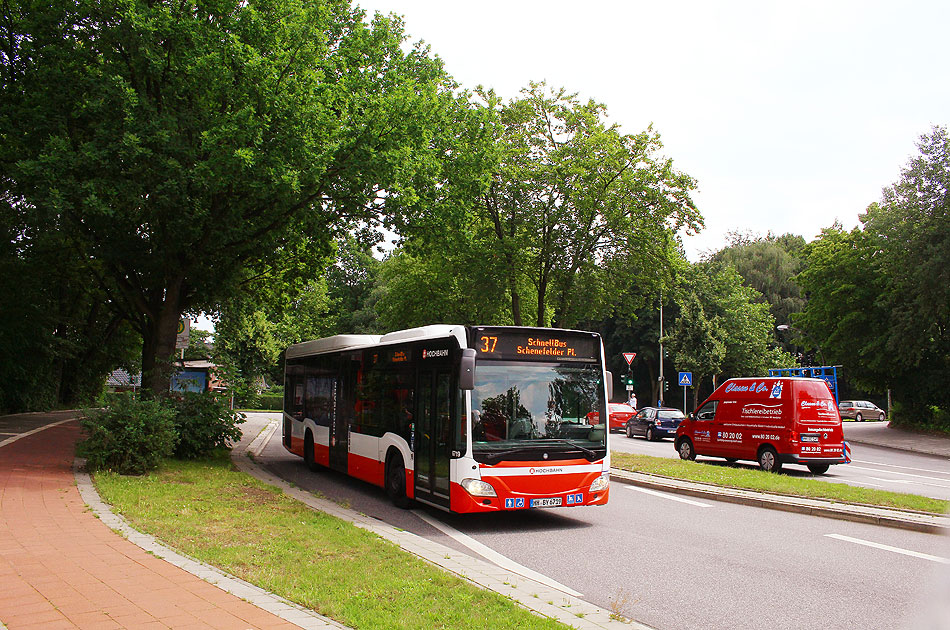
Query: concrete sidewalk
x=883 y=435
x=62 y=567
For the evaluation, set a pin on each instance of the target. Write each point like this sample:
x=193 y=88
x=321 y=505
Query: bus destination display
x=517 y=346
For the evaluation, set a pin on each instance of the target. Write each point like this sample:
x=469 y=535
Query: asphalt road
x=871 y=466
x=674 y=562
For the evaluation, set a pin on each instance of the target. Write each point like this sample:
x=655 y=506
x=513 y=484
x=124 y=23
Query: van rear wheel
x=768 y=460
x=818 y=469
x=686 y=450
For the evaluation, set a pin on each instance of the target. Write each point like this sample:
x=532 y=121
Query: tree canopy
x=555 y=207
x=724 y=328
x=879 y=296
x=185 y=147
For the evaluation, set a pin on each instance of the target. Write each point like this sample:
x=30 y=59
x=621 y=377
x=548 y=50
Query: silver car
x=860 y=410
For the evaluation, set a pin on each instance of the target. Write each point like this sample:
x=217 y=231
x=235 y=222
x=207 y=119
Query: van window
x=707 y=411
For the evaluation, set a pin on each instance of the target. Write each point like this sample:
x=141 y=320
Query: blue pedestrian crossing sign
x=686 y=379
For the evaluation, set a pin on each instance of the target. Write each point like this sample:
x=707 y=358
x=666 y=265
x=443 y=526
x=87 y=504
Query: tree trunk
x=158 y=343
x=542 y=296
x=515 y=302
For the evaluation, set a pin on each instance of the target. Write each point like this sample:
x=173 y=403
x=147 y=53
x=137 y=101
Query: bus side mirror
x=610 y=384
x=467 y=371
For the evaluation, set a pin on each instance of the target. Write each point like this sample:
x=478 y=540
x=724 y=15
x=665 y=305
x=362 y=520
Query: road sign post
x=686 y=380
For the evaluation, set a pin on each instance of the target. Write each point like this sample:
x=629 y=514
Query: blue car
x=655 y=423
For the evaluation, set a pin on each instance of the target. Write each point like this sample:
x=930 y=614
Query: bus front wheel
x=396 y=482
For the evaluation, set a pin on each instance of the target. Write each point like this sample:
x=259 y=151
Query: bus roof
x=352 y=342
x=329 y=344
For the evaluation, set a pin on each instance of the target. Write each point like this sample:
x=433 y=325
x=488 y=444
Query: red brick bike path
x=60 y=567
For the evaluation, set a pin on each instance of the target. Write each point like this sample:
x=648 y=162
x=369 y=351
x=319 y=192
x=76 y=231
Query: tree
x=696 y=343
x=188 y=147
x=879 y=296
x=567 y=208
x=724 y=328
x=58 y=337
x=844 y=313
x=769 y=265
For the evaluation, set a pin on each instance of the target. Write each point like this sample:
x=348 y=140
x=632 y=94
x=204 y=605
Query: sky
x=791 y=116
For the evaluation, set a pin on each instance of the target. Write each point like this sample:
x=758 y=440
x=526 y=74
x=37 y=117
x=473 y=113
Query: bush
x=270 y=402
x=130 y=436
x=204 y=423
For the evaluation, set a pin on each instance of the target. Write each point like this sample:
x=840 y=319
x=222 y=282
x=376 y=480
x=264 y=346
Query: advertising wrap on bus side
x=772 y=421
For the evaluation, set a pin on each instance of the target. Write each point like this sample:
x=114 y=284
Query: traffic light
x=627 y=380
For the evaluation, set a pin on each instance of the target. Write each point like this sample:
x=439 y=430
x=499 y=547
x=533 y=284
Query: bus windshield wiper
x=584 y=449
x=497 y=455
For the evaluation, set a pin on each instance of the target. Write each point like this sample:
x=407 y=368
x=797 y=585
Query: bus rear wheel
x=308 y=452
x=396 y=482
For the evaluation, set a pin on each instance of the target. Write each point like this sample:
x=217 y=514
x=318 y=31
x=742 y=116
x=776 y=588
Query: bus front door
x=433 y=437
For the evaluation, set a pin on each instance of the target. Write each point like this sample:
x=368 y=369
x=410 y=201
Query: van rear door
x=818 y=424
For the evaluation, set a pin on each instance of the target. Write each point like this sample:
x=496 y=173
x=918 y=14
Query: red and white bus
x=464 y=418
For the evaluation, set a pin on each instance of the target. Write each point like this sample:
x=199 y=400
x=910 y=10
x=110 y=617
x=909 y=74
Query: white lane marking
x=894 y=472
x=493 y=556
x=671 y=497
x=37 y=430
x=892 y=480
x=906 y=552
x=928 y=470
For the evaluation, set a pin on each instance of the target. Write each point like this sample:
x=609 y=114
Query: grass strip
x=230 y=520
x=740 y=476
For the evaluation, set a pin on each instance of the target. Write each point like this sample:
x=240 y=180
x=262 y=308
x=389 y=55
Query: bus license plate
x=549 y=502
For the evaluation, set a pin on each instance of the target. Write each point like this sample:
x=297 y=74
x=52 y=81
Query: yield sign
x=629 y=356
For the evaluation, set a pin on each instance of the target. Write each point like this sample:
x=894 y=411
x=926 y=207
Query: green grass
x=228 y=519
x=740 y=476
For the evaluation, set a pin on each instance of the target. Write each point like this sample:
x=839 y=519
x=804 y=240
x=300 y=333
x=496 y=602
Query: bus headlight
x=478 y=488
x=600 y=484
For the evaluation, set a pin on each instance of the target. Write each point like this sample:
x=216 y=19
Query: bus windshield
x=518 y=408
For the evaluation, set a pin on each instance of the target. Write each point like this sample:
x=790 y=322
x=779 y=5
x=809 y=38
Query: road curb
x=902 y=519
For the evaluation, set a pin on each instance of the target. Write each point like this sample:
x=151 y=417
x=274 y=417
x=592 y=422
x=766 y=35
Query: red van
x=772 y=421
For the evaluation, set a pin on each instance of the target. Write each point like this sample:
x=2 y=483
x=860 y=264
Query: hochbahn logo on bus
x=545 y=471
x=432 y=354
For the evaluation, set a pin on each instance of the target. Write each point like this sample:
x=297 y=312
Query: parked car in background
x=860 y=410
x=654 y=423
x=618 y=414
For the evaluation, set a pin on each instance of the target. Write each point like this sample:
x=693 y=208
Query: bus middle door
x=345 y=412
x=433 y=436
